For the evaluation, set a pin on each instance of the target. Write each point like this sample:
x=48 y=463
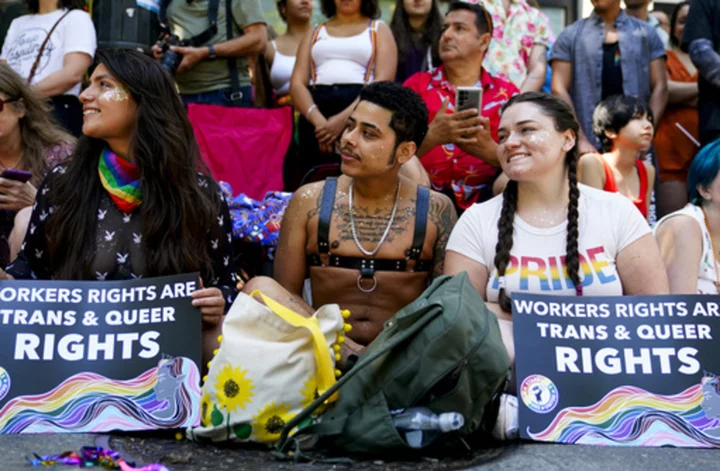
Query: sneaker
x=506 y=426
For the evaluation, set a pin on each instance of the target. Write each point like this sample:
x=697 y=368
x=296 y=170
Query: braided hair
x=564 y=119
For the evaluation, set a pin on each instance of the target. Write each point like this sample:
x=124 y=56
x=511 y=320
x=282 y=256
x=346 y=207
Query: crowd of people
x=556 y=192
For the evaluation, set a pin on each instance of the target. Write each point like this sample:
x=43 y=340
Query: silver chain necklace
x=387 y=229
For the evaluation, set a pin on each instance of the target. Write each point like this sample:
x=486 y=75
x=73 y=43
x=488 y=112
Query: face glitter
x=118 y=94
x=539 y=137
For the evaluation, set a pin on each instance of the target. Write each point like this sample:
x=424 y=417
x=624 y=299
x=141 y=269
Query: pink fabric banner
x=245 y=147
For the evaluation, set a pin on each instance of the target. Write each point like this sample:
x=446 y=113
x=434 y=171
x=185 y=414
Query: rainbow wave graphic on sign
x=630 y=416
x=167 y=396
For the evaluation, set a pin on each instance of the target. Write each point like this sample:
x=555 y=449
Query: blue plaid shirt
x=581 y=45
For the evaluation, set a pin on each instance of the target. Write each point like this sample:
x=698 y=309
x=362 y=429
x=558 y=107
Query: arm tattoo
x=442 y=214
x=316 y=210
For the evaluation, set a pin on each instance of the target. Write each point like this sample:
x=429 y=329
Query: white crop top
x=343 y=60
x=281 y=71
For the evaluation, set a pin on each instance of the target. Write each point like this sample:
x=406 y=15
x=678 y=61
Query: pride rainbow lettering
x=547 y=271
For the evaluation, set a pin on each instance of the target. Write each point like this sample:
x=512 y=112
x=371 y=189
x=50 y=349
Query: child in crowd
x=624 y=125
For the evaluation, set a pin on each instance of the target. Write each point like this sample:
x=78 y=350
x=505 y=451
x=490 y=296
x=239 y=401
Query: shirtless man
x=372 y=239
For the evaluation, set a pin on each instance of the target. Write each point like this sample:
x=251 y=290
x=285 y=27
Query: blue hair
x=703 y=170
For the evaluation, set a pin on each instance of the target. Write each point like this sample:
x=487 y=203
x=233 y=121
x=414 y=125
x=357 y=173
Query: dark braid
x=564 y=120
x=505 y=238
x=572 y=258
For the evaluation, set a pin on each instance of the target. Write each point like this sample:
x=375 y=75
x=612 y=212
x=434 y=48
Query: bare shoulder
x=591 y=170
x=680 y=227
x=307 y=200
x=591 y=162
x=442 y=211
x=383 y=27
x=441 y=199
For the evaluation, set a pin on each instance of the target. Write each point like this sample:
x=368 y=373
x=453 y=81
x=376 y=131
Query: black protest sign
x=97 y=356
x=637 y=371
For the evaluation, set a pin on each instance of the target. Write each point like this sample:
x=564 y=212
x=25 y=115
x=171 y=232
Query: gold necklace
x=13 y=165
x=712 y=245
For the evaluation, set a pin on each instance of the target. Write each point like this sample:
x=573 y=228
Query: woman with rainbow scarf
x=130 y=203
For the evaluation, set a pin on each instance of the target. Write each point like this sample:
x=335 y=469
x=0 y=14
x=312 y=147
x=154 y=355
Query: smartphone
x=17 y=175
x=468 y=98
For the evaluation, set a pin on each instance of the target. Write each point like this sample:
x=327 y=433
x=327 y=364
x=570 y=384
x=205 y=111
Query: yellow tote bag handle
x=326 y=372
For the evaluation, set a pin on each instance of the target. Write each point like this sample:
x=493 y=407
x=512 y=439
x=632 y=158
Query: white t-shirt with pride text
x=75 y=33
x=608 y=223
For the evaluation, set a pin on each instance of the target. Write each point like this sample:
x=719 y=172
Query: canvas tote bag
x=271 y=364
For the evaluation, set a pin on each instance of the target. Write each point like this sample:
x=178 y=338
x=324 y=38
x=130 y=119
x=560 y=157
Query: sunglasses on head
x=3 y=102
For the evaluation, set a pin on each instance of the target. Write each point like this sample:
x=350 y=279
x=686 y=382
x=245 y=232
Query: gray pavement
x=185 y=456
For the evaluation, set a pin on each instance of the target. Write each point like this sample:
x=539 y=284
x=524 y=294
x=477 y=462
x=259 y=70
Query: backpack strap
x=235 y=94
x=373 y=54
x=205 y=36
x=35 y=65
x=334 y=426
x=421 y=217
x=327 y=203
x=313 y=40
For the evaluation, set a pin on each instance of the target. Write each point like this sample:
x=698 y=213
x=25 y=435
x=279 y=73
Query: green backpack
x=443 y=351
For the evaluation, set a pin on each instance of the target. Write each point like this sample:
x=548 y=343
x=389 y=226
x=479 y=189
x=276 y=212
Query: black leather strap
x=421 y=216
x=369 y=265
x=205 y=36
x=326 y=208
x=236 y=94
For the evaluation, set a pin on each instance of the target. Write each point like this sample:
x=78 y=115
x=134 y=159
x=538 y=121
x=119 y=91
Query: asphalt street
x=186 y=456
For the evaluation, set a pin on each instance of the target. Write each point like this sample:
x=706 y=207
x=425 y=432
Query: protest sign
x=632 y=371
x=95 y=356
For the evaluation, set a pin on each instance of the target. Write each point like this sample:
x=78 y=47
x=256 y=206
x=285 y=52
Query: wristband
x=309 y=110
x=211 y=54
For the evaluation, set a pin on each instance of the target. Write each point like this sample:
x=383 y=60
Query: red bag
x=245 y=147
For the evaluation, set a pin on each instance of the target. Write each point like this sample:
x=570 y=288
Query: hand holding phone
x=21 y=176
x=16 y=192
x=468 y=98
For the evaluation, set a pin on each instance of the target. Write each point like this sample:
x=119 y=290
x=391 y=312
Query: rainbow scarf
x=121 y=179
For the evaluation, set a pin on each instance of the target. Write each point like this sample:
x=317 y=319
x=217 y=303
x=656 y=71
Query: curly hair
x=369 y=8
x=409 y=113
x=564 y=120
x=38 y=129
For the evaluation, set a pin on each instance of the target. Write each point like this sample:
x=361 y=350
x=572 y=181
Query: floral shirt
x=449 y=167
x=119 y=252
x=515 y=32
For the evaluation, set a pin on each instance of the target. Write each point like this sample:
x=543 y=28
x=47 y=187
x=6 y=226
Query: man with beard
x=371 y=239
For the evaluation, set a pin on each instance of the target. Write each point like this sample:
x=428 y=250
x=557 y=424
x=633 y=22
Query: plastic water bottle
x=421 y=426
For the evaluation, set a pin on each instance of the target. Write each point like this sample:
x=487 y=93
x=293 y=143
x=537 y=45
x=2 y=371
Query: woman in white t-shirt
x=689 y=238
x=545 y=221
x=65 y=59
